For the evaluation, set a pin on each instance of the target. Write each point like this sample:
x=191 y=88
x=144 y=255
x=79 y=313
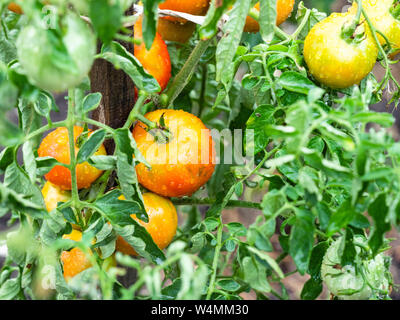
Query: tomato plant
x=277 y=126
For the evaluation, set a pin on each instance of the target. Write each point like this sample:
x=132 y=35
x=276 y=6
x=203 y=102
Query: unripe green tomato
x=41 y=55
x=347 y=284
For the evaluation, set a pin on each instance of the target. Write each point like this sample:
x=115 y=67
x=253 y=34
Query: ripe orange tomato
x=155 y=61
x=194 y=7
x=56 y=145
x=162 y=225
x=175 y=31
x=283 y=10
x=53 y=195
x=181 y=165
x=15 y=8
x=382 y=19
x=332 y=60
x=75 y=260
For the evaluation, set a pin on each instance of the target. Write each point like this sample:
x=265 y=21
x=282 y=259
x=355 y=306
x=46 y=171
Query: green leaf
x=317 y=255
x=45 y=164
x=106 y=18
x=257 y=123
x=211 y=223
x=122 y=59
x=120 y=211
x=43 y=105
x=267 y=19
x=378 y=173
x=91 y=145
x=301 y=242
x=10 y=135
x=17 y=180
x=349 y=252
x=210 y=26
x=272 y=202
x=103 y=162
x=229 y=43
x=311 y=289
x=255 y=275
x=6 y=158
x=125 y=150
x=228 y=285
x=91 y=102
x=149 y=23
x=307 y=178
x=295 y=82
x=382 y=118
x=272 y=263
x=237 y=229
x=10 y=289
x=378 y=210
x=341 y=217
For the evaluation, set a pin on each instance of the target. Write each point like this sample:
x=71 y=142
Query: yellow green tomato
x=335 y=61
x=381 y=14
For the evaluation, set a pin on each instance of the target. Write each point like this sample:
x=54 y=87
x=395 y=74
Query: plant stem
x=302 y=24
x=72 y=166
x=44 y=129
x=186 y=73
x=135 y=110
x=388 y=74
x=215 y=261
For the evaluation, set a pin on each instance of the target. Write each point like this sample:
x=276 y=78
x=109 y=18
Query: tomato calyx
x=161 y=133
x=354 y=32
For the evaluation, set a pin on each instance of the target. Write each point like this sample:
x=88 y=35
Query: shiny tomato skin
x=155 y=61
x=175 y=31
x=283 y=10
x=335 y=62
x=177 y=167
x=194 y=7
x=75 y=260
x=162 y=225
x=56 y=145
x=53 y=195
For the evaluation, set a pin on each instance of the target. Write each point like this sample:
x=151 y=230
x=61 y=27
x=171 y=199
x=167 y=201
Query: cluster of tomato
x=340 y=54
x=183 y=168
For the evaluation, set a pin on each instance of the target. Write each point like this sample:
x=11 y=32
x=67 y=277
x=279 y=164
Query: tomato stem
x=218 y=248
x=388 y=73
x=302 y=24
x=73 y=163
x=135 y=113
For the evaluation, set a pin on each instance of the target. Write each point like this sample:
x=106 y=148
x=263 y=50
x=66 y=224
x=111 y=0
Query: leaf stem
x=186 y=73
x=73 y=163
x=215 y=261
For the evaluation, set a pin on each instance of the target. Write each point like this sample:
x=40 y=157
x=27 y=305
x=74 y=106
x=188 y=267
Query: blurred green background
x=321 y=5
